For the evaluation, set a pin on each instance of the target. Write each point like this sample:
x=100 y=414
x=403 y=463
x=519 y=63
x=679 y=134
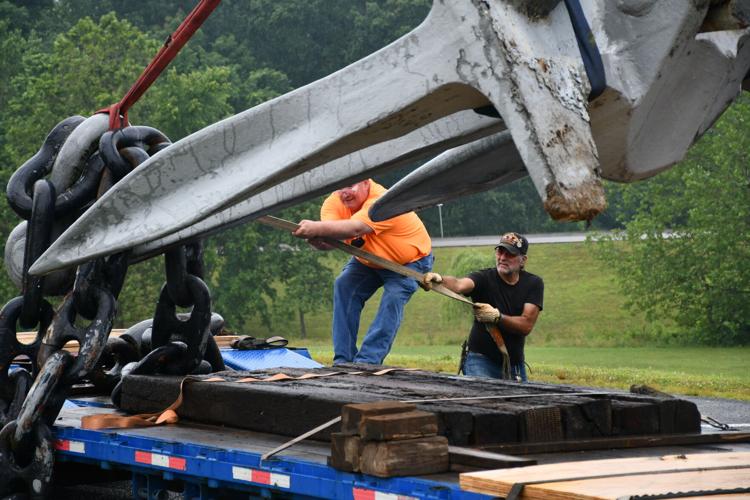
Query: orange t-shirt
x=402 y=239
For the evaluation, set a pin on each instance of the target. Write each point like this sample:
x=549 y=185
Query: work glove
x=428 y=279
x=485 y=313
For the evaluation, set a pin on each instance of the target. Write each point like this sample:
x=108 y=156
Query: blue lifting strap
x=592 y=59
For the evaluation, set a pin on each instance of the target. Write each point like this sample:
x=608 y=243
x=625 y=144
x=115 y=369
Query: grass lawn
x=582 y=305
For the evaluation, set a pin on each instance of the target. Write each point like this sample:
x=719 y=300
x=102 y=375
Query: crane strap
x=118 y=112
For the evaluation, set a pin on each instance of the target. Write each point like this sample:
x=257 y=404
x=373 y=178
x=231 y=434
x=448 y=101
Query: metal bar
x=168 y=51
x=299 y=438
x=619 y=443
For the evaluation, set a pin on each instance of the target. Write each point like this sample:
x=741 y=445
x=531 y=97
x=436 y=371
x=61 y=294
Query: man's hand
x=428 y=279
x=307 y=229
x=485 y=313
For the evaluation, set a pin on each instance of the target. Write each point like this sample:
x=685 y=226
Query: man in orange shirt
x=402 y=239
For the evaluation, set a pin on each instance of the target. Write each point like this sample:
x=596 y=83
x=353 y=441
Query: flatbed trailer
x=214 y=462
x=199 y=461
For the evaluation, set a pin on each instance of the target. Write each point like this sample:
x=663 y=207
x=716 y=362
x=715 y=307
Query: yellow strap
x=497 y=336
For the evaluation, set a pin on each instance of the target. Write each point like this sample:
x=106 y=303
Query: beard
x=508 y=269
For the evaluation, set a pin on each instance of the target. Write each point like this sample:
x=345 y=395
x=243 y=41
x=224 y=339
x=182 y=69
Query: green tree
x=15 y=17
x=699 y=276
x=239 y=277
x=261 y=274
x=182 y=103
x=378 y=23
x=308 y=281
x=138 y=298
x=87 y=68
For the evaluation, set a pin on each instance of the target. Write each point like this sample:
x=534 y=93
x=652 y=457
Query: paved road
x=476 y=241
x=491 y=240
x=728 y=411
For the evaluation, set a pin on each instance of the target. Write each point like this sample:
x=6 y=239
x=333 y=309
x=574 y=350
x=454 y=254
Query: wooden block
x=542 y=424
x=456 y=425
x=293 y=407
x=273 y=408
x=599 y=413
x=345 y=452
x=687 y=418
x=492 y=427
x=407 y=425
x=427 y=455
x=353 y=414
x=586 y=419
x=634 y=418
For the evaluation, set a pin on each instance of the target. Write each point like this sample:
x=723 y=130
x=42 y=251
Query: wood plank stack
x=693 y=475
x=470 y=411
x=387 y=439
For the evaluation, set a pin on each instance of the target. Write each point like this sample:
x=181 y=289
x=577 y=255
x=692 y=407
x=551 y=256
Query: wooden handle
x=372 y=258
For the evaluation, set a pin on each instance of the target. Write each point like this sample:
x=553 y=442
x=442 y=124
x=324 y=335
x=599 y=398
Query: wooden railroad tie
x=388 y=438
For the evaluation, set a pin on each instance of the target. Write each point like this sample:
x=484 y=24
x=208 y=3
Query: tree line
x=65 y=57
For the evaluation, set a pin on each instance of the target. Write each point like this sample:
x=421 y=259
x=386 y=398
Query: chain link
x=26 y=479
x=170 y=343
x=39 y=230
x=182 y=344
x=14 y=385
x=21 y=183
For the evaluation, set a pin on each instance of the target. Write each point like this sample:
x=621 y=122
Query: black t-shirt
x=490 y=288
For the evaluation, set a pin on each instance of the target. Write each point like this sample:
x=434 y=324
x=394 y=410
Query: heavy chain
x=181 y=344
x=82 y=160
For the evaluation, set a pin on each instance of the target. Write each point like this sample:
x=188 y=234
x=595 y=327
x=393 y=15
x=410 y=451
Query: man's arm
x=524 y=323
x=337 y=229
x=463 y=286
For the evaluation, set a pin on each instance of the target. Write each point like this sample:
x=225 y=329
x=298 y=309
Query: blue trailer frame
x=207 y=472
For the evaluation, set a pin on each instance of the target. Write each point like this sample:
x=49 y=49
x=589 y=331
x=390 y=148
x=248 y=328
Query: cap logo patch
x=513 y=239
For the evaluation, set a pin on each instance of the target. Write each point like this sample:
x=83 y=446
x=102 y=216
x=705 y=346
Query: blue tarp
x=268 y=358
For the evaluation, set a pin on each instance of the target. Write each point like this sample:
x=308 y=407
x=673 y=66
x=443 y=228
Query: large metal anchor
x=467 y=54
x=671 y=68
x=455 y=129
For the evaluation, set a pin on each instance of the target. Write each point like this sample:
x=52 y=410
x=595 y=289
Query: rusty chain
x=172 y=344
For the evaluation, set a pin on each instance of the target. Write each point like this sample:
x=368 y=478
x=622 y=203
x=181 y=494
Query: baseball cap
x=514 y=243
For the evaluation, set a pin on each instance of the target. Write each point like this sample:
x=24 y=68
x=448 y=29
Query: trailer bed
x=208 y=461
x=204 y=461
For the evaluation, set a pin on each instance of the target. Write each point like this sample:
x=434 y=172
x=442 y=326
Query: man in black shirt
x=506 y=298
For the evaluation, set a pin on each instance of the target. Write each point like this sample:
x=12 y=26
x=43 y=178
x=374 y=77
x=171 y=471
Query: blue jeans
x=352 y=288
x=479 y=365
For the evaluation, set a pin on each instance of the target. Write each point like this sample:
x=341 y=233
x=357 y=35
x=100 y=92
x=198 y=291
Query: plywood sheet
x=616 y=478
